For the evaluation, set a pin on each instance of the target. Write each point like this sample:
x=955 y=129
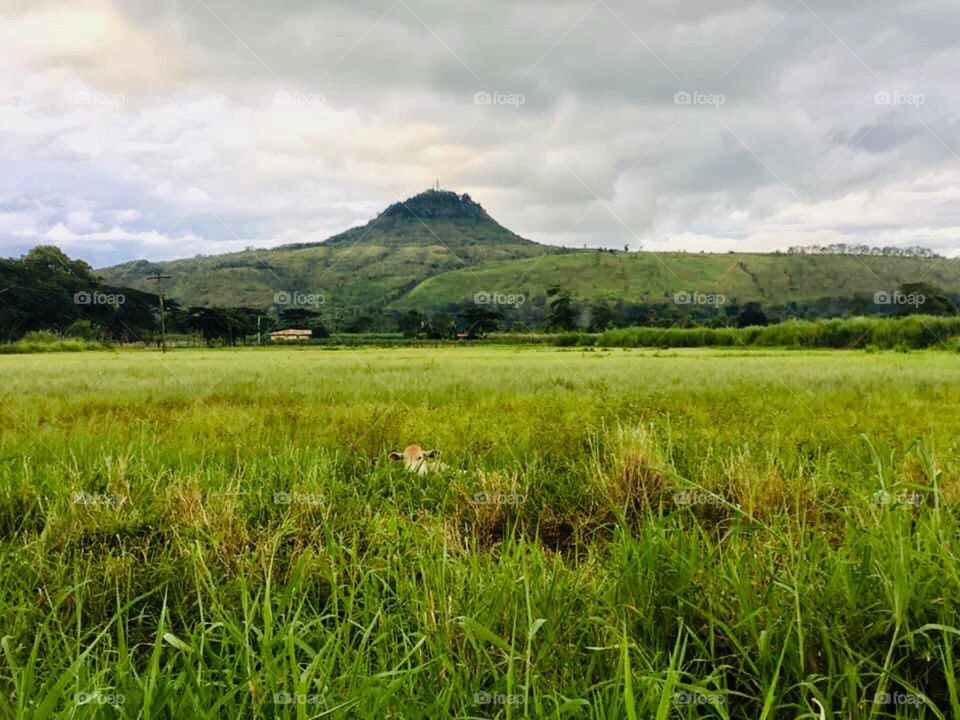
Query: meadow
x=619 y=533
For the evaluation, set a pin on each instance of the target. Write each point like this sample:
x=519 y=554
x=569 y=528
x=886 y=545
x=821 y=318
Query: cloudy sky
x=165 y=129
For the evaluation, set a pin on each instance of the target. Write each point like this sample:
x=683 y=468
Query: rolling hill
x=650 y=278
x=438 y=249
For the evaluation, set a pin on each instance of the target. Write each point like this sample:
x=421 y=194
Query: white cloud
x=164 y=129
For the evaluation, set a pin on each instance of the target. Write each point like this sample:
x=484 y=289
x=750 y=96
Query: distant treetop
x=437 y=204
x=843 y=249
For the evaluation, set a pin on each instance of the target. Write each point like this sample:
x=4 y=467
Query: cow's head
x=415 y=458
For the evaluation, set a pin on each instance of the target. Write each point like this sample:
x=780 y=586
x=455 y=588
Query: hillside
x=438 y=249
x=365 y=267
x=649 y=277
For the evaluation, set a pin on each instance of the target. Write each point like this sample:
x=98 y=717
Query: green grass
x=655 y=277
x=910 y=332
x=666 y=534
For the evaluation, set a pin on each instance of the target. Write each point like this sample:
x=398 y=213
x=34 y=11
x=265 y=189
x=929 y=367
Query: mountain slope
x=649 y=277
x=364 y=267
x=438 y=249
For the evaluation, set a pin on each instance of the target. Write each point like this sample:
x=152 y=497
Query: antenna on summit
x=437 y=187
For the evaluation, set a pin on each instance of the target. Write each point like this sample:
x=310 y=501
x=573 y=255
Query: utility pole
x=258 y=329
x=163 y=321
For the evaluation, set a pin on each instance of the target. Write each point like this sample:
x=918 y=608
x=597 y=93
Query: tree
x=752 y=314
x=601 y=317
x=412 y=323
x=923 y=298
x=561 y=311
x=478 y=320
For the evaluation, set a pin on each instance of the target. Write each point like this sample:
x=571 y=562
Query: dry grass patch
x=637 y=473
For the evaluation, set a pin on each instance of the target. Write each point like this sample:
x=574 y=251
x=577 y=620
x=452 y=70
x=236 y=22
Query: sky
x=169 y=129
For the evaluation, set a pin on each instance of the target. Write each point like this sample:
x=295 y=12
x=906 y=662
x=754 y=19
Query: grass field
x=619 y=534
x=655 y=277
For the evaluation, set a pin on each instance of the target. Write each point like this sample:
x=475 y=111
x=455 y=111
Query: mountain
x=363 y=268
x=438 y=249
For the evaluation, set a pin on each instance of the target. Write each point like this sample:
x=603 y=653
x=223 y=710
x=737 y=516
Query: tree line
x=47 y=291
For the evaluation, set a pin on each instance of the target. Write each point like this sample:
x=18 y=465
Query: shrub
x=912 y=332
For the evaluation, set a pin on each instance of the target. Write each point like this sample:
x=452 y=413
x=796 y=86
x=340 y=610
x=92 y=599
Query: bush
x=44 y=342
x=568 y=339
x=912 y=332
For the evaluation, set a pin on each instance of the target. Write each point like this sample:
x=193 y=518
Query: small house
x=291 y=335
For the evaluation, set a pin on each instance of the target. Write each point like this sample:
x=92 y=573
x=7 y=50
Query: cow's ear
x=396 y=456
x=432 y=454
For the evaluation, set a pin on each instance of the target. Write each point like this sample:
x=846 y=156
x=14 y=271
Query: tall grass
x=914 y=331
x=673 y=535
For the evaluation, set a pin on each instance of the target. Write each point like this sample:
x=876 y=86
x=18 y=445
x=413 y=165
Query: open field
x=620 y=533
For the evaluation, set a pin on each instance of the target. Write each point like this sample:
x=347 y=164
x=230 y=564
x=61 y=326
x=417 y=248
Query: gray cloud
x=169 y=128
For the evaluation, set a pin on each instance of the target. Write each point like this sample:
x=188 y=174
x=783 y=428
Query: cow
x=418 y=460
